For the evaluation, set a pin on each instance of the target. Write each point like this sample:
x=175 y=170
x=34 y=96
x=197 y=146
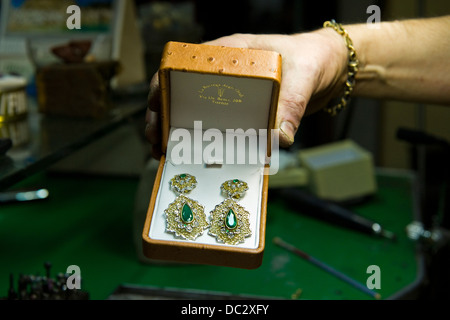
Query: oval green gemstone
x=230 y=220
x=235 y=180
x=186 y=213
x=183 y=175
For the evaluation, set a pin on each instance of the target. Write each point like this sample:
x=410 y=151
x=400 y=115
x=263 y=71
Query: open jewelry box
x=216 y=102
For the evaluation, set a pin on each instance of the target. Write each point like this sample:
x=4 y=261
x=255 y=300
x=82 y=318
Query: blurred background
x=372 y=124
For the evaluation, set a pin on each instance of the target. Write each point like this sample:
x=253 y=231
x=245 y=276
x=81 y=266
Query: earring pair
x=185 y=217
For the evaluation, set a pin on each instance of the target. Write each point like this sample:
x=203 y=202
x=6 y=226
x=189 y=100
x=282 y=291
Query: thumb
x=295 y=93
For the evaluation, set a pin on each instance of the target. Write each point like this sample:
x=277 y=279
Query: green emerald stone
x=186 y=214
x=183 y=175
x=235 y=180
x=230 y=220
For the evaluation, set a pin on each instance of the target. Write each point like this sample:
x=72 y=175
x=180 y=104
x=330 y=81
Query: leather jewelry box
x=216 y=103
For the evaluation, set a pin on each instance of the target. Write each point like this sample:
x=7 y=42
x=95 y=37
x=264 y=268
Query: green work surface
x=88 y=221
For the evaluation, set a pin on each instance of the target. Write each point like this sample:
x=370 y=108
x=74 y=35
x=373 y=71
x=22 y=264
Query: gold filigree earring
x=230 y=221
x=185 y=217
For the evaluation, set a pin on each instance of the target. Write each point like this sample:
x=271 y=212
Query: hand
x=314 y=70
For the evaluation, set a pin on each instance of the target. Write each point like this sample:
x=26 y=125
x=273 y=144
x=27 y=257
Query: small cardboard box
x=339 y=171
x=79 y=90
x=212 y=93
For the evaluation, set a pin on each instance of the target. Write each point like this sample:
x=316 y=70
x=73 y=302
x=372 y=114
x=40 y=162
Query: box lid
x=223 y=87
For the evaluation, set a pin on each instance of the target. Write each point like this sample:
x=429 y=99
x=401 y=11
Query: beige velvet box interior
x=208 y=91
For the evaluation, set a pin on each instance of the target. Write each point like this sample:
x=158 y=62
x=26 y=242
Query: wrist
x=373 y=66
x=338 y=54
x=351 y=70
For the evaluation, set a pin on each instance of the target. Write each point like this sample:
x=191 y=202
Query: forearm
x=405 y=60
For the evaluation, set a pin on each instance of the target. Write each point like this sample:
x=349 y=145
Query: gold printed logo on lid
x=221 y=94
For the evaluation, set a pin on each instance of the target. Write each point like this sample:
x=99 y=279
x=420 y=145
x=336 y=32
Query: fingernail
x=288 y=130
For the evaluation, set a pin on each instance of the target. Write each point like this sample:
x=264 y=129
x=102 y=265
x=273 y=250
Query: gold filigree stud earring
x=230 y=221
x=185 y=217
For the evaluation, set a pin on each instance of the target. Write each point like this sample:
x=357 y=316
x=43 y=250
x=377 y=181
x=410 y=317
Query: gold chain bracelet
x=351 y=71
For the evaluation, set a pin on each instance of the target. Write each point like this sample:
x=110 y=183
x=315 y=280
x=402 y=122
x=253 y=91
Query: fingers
x=290 y=112
x=310 y=75
x=299 y=81
x=233 y=41
x=297 y=85
x=295 y=93
x=153 y=132
x=154 y=95
x=153 y=126
x=156 y=151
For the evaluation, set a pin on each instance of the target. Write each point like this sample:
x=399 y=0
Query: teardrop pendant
x=230 y=220
x=186 y=214
x=185 y=217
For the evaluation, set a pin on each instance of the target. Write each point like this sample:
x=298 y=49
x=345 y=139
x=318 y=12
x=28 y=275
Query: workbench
x=88 y=221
